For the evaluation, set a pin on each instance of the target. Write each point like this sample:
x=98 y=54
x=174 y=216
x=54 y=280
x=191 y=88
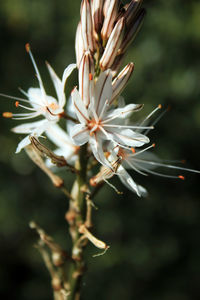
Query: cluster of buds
x=105 y=30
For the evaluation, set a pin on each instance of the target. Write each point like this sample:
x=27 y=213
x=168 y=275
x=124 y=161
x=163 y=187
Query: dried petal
x=58 y=160
x=36 y=158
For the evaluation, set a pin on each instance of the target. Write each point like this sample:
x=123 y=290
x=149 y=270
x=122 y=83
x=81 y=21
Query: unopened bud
x=110 y=11
x=117 y=64
x=132 y=31
x=97 y=14
x=79 y=47
x=87 y=26
x=86 y=84
x=131 y=11
x=121 y=81
x=113 y=44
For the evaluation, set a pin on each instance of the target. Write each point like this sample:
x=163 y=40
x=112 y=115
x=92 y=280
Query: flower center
x=53 y=106
x=93 y=125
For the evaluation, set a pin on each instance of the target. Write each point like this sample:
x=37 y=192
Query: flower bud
x=97 y=14
x=87 y=26
x=121 y=80
x=132 y=31
x=86 y=73
x=79 y=47
x=110 y=11
x=113 y=44
x=117 y=64
x=131 y=11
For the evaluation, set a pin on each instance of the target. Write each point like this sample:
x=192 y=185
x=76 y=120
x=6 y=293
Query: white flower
x=98 y=123
x=143 y=162
x=64 y=144
x=40 y=103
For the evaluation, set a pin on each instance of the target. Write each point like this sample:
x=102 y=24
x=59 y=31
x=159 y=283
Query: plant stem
x=75 y=217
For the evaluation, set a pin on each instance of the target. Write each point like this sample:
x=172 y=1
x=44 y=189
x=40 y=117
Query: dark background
x=154 y=242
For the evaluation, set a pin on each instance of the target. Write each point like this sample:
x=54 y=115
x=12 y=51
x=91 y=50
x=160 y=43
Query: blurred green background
x=155 y=246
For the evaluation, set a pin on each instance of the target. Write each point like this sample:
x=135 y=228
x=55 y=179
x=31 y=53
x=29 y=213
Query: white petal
x=97 y=149
x=58 y=86
x=59 y=137
x=128 y=137
x=79 y=107
x=67 y=72
x=25 y=142
x=36 y=98
x=127 y=180
x=28 y=127
x=79 y=134
x=123 y=112
x=36 y=132
x=103 y=90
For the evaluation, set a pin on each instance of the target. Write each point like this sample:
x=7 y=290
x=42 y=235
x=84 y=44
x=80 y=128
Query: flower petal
x=128 y=137
x=123 y=112
x=79 y=134
x=103 y=90
x=79 y=107
x=58 y=86
x=97 y=149
x=28 y=127
x=128 y=181
x=59 y=137
x=36 y=98
x=25 y=142
x=67 y=72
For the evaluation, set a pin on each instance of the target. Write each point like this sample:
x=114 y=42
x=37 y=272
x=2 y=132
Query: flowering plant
x=99 y=131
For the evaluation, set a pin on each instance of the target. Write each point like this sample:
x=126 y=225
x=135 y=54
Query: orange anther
x=107 y=154
x=160 y=106
x=133 y=150
x=27 y=47
x=7 y=114
x=181 y=177
x=90 y=76
x=17 y=103
x=92 y=181
x=153 y=145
